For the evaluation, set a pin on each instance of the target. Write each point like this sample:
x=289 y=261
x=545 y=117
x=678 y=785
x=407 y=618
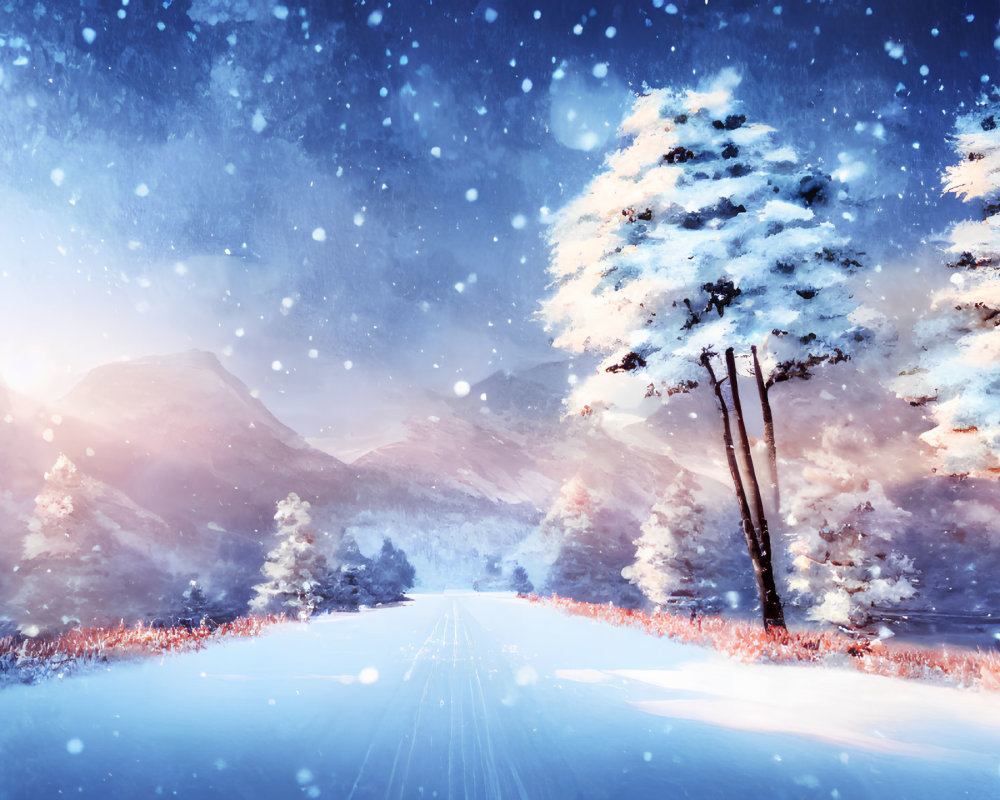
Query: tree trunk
x=773 y=614
x=770 y=604
x=772 y=448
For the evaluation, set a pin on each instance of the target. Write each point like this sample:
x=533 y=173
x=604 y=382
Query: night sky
x=347 y=201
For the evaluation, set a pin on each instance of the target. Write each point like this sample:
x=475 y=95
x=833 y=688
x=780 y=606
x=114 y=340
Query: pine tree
x=296 y=571
x=195 y=604
x=64 y=568
x=80 y=561
x=347 y=588
x=588 y=546
x=391 y=574
x=520 y=582
x=564 y=531
x=364 y=581
x=675 y=555
x=845 y=566
x=958 y=374
x=703 y=251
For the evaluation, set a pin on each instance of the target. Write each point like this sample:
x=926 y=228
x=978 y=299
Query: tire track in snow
x=450 y=729
x=435 y=666
x=381 y=730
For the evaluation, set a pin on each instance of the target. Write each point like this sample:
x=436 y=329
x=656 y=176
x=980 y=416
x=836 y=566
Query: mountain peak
x=191 y=387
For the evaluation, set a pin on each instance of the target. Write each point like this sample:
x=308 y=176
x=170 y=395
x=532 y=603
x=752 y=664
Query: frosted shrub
x=750 y=644
x=37 y=659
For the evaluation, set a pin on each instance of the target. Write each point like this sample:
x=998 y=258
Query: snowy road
x=487 y=696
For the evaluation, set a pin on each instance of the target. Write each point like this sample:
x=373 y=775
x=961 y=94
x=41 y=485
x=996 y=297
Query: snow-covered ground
x=487 y=696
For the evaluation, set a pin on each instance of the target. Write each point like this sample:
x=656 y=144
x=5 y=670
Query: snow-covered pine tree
x=845 y=567
x=563 y=530
x=519 y=581
x=63 y=570
x=367 y=581
x=587 y=549
x=348 y=586
x=296 y=571
x=83 y=561
x=391 y=574
x=194 y=604
x=675 y=555
x=958 y=374
x=704 y=250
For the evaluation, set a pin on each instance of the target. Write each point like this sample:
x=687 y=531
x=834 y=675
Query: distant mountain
x=502 y=443
x=181 y=468
x=185 y=439
x=492 y=464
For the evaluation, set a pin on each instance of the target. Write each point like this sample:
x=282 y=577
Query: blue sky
x=346 y=202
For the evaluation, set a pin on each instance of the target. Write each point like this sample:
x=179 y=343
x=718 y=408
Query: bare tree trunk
x=761 y=567
x=773 y=614
x=772 y=448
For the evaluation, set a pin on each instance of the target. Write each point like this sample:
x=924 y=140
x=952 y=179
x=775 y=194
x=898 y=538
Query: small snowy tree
x=589 y=545
x=391 y=574
x=845 y=566
x=703 y=251
x=568 y=518
x=296 y=571
x=363 y=581
x=958 y=374
x=520 y=582
x=85 y=558
x=348 y=586
x=563 y=531
x=675 y=555
x=194 y=604
x=63 y=572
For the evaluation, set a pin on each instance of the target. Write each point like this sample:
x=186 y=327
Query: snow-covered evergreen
x=59 y=555
x=589 y=545
x=194 y=604
x=677 y=556
x=86 y=556
x=958 y=374
x=702 y=232
x=703 y=251
x=295 y=569
x=844 y=533
x=520 y=582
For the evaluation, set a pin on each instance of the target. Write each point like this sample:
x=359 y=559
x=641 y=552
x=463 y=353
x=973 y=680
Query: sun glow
x=34 y=372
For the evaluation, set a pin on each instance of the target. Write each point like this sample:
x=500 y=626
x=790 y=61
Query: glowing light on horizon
x=28 y=373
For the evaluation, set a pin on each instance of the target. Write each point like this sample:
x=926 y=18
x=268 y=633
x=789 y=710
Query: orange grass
x=26 y=657
x=750 y=643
